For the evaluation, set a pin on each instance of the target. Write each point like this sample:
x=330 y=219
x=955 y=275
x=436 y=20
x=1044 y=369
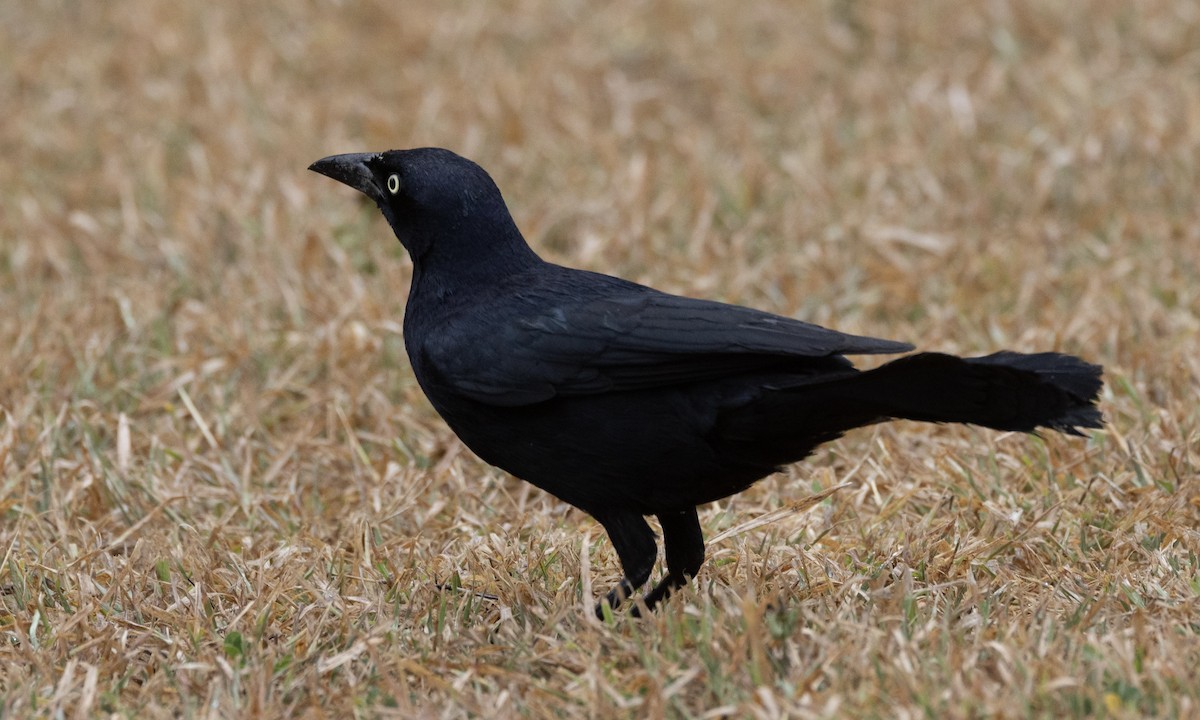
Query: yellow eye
x=394 y=184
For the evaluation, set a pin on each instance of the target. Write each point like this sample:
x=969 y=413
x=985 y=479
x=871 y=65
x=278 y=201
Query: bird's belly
x=641 y=451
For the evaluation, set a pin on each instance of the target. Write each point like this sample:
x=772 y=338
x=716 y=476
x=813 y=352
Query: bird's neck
x=448 y=272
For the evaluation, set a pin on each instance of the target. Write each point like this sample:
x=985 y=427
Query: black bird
x=625 y=401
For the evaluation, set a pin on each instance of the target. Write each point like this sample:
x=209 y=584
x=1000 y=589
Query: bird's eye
x=394 y=184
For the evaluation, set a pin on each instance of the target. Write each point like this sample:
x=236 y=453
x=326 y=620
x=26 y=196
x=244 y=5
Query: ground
x=223 y=495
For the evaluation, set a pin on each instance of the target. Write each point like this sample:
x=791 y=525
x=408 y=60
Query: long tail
x=1003 y=391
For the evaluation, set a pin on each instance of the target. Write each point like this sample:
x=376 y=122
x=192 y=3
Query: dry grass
x=222 y=494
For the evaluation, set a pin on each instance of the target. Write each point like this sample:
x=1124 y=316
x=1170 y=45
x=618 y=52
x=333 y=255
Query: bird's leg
x=684 y=543
x=637 y=549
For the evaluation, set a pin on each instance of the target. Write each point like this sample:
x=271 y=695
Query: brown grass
x=222 y=493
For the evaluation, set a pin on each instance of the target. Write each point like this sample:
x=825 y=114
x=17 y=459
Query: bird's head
x=438 y=203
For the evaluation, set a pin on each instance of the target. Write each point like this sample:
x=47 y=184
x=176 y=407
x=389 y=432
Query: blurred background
x=817 y=159
x=205 y=394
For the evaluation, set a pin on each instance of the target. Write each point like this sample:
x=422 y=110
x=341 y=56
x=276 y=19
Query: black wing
x=536 y=345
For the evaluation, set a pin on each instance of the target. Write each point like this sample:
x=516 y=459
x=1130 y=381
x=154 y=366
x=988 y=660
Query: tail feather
x=1080 y=380
x=1003 y=391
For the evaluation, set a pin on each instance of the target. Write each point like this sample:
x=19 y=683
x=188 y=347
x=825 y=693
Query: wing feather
x=627 y=338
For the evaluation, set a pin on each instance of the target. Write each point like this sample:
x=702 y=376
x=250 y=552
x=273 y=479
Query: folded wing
x=629 y=339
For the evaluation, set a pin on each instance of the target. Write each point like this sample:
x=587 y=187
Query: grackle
x=625 y=401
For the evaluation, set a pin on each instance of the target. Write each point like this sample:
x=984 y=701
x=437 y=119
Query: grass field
x=223 y=495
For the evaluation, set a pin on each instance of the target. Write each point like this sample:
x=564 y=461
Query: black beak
x=353 y=170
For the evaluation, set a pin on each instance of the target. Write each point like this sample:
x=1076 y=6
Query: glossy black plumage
x=625 y=401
